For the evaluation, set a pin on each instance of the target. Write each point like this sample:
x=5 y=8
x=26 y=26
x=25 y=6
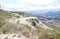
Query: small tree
x=33 y=23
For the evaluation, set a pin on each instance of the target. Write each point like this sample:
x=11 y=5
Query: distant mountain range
x=49 y=14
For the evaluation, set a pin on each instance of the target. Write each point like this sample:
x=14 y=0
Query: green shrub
x=17 y=16
x=33 y=23
x=0 y=30
x=5 y=31
x=51 y=36
x=58 y=36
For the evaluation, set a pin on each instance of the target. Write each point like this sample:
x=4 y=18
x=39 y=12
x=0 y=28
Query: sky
x=26 y=5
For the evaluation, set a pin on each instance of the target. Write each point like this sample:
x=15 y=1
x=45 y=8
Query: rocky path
x=12 y=36
x=16 y=36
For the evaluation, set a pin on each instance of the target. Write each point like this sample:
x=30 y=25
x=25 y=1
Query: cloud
x=18 y=7
x=24 y=5
x=37 y=2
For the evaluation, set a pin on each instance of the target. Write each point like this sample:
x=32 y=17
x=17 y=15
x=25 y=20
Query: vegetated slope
x=16 y=23
x=53 y=24
x=51 y=18
x=8 y=27
x=4 y=15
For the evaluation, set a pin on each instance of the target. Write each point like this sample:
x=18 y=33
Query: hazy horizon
x=27 y=5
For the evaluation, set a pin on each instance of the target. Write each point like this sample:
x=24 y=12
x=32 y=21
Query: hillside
x=29 y=26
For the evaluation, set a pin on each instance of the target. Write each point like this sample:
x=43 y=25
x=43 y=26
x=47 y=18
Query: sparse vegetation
x=6 y=27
